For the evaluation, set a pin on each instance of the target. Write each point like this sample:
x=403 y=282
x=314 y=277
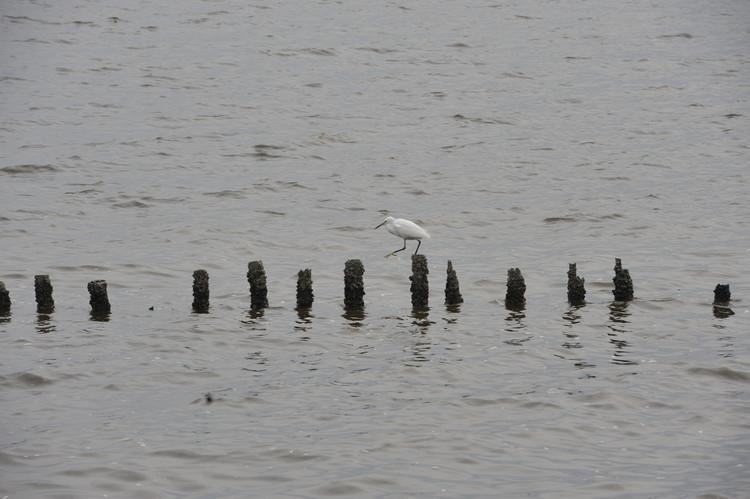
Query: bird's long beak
x=380 y=225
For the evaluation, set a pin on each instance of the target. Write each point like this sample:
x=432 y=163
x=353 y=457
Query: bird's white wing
x=407 y=229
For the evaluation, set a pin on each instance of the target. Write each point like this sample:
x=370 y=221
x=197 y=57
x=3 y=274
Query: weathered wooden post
x=516 y=288
x=420 y=288
x=452 y=293
x=305 y=295
x=722 y=295
x=576 y=290
x=4 y=299
x=99 y=301
x=623 y=283
x=200 y=291
x=43 y=290
x=354 y=288
x=256 y=276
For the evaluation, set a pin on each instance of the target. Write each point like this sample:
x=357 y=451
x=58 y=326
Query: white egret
x=406 y=230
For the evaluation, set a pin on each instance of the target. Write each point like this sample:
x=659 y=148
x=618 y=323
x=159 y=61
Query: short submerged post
x=623 y=283
x=43 y=289
x=516 y=288
x=99 y=301
x=420 y=288
x=4 y=299
x=452 y=293
x=200 y=291
x=256 y=276
x=722 y=295
x=576 y=290
x=305 y=295
x=354 y=288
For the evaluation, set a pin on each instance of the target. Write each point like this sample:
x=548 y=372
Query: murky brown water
x=142 y=142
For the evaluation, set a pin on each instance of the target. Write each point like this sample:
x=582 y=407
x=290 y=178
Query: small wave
x=722 y=373
x=679 y=35
x=227 y=194
x=22 y=19
x=261 y=151
x=327 y=52
x=85 y=191
x=131 y=204
x=124 y=201
x=451 y=148
x=278 y=185
x=483 y=121
x=378 y=50
x=516 y=75
x=554 y=220
x=308 y=51
x=23 y=380
x=27 y=169
x=346 y=228
x=80 y=268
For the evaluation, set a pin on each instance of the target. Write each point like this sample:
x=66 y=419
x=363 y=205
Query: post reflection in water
x=618 y=317
x=453 y=308
x=99 y=316
x=419 y=351
x=421 y=320
x=516 y=324
x=254 y=321
x=572 y=340
x=44 y=324
x=354 y=317
x=572 y=317
x=303 y=322
x=421 y=346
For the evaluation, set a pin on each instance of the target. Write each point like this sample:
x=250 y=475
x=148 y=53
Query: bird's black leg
x=394 y=252
x=419 y=243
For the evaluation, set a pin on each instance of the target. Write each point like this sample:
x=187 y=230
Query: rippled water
x=140 y=142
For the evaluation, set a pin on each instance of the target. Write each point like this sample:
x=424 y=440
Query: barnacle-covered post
x=99 y=300
x=304 y=289
x=452 y=293
x=576 y=290
x=45 y=304
x=200 y=291
x=722 y=295
x=420 y=288
x=516 y=288
x=354 y=288
x=256 y=276
x=4 y=299
x=623 y=283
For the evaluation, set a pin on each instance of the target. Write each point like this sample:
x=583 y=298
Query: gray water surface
x=142 y=141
